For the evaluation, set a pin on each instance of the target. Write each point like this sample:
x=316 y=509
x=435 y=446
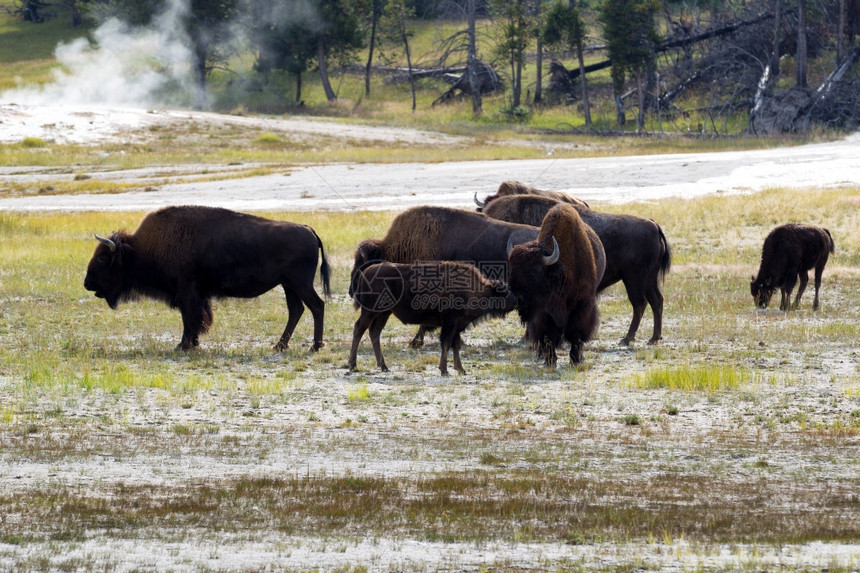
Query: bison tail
x=325 y=269
x=832 y=242
x=666 y=259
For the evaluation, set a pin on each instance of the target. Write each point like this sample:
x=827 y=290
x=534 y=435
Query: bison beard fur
x=788 y=253
x=555 y=279
x=187 y=255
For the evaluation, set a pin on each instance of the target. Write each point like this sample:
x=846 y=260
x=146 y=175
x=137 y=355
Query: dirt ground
x=412 y=418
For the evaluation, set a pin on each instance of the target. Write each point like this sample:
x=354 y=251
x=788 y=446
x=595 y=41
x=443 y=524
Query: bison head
x=369 y=251
x=532 y=273
x=105 y=275
x=761 y=291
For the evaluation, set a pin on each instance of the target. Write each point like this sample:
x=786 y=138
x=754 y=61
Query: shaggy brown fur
x=637 y=253
x=185 y=256
x=449 y=295
x=512 y=188
x=789 y=252
x=427 y=233
x=558 y=299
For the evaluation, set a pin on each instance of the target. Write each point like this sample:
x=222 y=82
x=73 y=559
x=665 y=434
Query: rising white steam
x=124 y=66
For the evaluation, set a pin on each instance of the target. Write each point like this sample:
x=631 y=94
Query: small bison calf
x=450 y=295
x=789 y=252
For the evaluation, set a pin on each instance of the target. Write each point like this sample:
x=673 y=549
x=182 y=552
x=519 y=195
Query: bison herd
x=544 y=253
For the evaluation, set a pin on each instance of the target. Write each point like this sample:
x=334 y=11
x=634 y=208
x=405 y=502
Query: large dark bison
x=789 y=252
x=428 y=233
x=185 y=256
x=449 y=295
x=637 y=253
x=510 y=188
x=555 y=279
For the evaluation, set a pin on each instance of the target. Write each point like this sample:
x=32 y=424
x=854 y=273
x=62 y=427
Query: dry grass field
x=732 y=445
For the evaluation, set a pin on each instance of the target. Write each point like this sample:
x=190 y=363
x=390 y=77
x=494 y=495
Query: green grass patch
x=705 y=378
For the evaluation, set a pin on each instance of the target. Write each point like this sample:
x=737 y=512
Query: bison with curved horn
x=555 y=280
x=637 y=252
x=789 y=252
x=185 y=256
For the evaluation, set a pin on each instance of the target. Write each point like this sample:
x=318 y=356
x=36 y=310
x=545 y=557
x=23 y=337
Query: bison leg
x=637 y=300
x=449 y=339
x=819 y=269
x=296 y=302
x=196 y=314
x=785 y=290
x=364 y=321
x=655 y=299
x=458 y=342
x=295 y=309
x=546 y=348
x=375 y=331
x=418 y=340
x=804 y=280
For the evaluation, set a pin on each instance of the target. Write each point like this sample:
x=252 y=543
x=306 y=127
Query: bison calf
x=449 y=295
x=789 y=252
x=185 y=256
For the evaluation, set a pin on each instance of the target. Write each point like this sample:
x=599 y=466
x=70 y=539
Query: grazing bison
x=637 y=253
x=511 y=188
x=449 y=295
x=185 y=256
x=429 y=233
x=789 y=252
x=555 y=279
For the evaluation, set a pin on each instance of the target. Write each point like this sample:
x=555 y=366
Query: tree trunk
x=619 y=110
x=777 y=33
x=539 y=73
x=200 y=77
x=840 y=36
x=801 y=44
x=299 y=89
x=405 y=39
x=586 y=107
x=472 y=67
x=329 y=93
x=518 y=82
x=640 y=87
x=374 y=18
x=583 y=83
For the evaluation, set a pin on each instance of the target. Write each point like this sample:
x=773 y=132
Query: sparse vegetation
x=612 y=453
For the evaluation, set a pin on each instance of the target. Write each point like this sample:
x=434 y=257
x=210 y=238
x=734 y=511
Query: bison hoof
x=416 y=344
x=626 y=341
x=317 y=345
x=281 y=347
x=654 y=341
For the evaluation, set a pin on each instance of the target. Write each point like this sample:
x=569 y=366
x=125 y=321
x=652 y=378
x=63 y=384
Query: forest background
x=763 y=67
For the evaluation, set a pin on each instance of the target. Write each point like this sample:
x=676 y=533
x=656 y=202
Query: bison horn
x=111 y=245
x=553 y=258
x=510 y=246
x=478 y=202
